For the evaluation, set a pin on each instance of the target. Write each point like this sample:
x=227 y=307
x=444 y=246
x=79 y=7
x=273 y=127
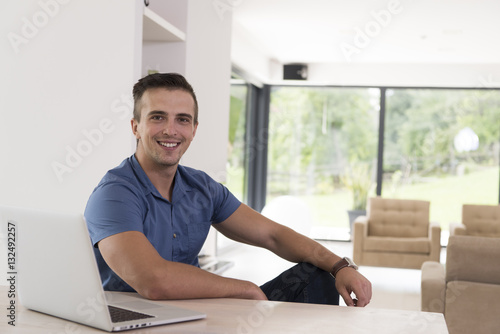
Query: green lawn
x=446 y=194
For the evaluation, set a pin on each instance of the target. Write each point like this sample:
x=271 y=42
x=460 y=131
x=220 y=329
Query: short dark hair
x=169 y=81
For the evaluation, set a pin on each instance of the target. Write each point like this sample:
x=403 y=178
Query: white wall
x=248 y=56
x=66 y=81
x=208 y=68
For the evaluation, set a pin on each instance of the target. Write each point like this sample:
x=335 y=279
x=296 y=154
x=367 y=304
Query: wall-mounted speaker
x=295 y=72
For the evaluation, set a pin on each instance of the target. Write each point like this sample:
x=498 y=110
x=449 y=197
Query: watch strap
x=340 y=265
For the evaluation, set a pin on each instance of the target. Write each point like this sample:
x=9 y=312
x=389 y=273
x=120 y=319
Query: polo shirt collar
x=180 y=186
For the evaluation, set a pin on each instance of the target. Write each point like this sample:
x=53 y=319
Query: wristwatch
x=345 y=262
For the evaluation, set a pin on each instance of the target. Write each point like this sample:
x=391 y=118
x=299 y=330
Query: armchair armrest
x=360 y=232
x=433 y=286
x=362 y=221
x=458 y=229
x=435 y=237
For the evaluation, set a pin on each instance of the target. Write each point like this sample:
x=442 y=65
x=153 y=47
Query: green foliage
x=358 y=180
x=237 y=111
x=421 y=125
x=236 y=141
x=237 y=119
x=318 y=130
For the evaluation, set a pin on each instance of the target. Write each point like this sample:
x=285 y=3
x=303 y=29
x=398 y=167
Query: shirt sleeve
x=225 y=203
x=113 y=208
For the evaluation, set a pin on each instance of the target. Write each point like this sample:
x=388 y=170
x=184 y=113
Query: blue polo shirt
x=126 y=200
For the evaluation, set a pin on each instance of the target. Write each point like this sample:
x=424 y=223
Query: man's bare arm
x=136 y=261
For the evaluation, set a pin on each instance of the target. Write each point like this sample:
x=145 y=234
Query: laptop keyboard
x=120 y=314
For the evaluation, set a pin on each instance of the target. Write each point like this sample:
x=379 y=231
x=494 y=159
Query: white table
x=248 y=316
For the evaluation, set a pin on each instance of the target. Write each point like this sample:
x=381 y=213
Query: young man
x=149 y=217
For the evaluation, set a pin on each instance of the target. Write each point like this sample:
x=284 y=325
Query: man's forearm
x=181 y=281
x=295 y=247
x=156 y=278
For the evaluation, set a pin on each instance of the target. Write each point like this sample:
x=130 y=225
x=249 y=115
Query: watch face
x=351 y=263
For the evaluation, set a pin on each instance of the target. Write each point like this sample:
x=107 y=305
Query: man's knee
x=321 y=289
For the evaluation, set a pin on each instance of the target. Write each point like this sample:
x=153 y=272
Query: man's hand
x=255 y=293
x=349 y=280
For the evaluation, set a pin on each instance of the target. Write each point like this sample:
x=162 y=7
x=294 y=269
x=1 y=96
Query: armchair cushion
x=398 y=245
x=473 y=261
x=481 y=220
x=471 y=307
x=398 y=218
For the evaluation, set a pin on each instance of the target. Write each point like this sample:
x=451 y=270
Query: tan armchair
x=467 y=289
x=478 y=220
x=396 y=233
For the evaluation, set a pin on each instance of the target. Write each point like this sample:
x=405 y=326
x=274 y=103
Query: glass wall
x=236 y=163
x=322 y=145
x=442 y=145
x=236 y=142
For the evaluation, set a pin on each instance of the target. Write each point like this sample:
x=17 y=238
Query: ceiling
x=372 y=31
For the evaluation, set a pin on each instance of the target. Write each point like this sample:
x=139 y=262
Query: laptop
x=57 y=274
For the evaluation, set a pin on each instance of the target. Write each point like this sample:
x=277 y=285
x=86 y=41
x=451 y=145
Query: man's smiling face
x=166 y=127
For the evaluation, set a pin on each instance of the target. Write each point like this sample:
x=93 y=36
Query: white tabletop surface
x=248 y=316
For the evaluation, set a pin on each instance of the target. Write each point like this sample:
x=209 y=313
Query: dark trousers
x=303 y=283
